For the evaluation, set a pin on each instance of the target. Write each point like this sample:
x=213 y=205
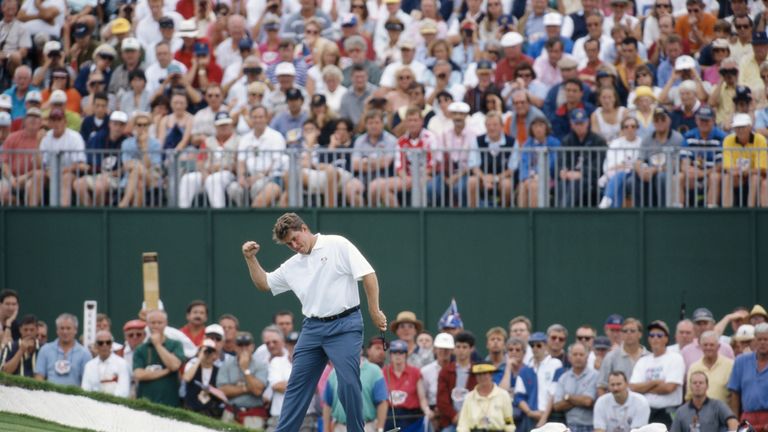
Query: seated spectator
x=473 y=416
x=747 y=383
x=697 y=26
x=353 y=103
x=141 y=159
x=650 y=167
x=197 y=316
x=200 y=375
x=492 y=181
x=96 y=115
x=130 y=62
x=606 y=119
x=698 y=167
x=291 y=119
x=277 y=100
x=702 y=413
x=156 y=362
x=72 y=161
x=553 y=22
x=540 y=135
x=243 y=380
x=23 y=174
x=104 y=162
x=356 y=48
x=136 y=97
x=20 y=355
x=102 y=60
x=452 y=171
x=19 y=91
x=577 y=390
x=107 y=372
x=165 y=70
x=621 y=409
x=580 y=171
x=619 y=160
x=63 y=360
x=175 y=129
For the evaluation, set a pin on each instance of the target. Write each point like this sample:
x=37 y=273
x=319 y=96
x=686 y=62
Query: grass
x=24 y=423
x=137 y=404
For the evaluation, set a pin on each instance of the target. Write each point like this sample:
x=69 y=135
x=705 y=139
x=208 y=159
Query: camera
x=442 y=76
x=468 y=32
x=54 y=54
x=209 y=350
x=378 y=103
x=254 y=70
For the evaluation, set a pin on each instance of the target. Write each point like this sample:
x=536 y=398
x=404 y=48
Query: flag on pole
x=451 y=317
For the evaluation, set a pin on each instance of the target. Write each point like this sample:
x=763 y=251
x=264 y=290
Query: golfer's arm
x=381 y=414
x=371 y=286
x=258 y=275
x=327 y=418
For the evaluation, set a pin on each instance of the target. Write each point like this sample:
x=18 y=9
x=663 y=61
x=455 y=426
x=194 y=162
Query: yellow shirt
x=725 y=107
x=734 y=155
x=749 y=74
x=492 y=412
x=718 y=377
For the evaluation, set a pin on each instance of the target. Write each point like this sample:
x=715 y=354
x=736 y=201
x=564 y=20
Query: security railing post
x=294 y=177
x=173 y=178
x=55 y=179
x=543 y=176
x=418 y=186
x=669 y=183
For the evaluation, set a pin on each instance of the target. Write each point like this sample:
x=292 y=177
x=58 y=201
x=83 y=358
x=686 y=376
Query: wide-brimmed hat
x=405 y=317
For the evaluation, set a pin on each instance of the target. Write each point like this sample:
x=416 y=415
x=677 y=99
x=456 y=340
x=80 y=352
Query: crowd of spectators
x=199 y=102
x=619 y=378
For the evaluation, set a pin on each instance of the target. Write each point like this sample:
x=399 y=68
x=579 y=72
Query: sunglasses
x=93 y=83
x=663 y=5
x=142 y=125
x=656 y=335
x=557 y=338
x=312 y=32
x=629 y=126
x=213 y=95
x=214 y=337
x=255 y=94
x=538 y=345
x=515 y=350
x=134 y=335
x=103 y=342
x=525 y=75
x=358 y=6
x=106 y=57
x=743 y=26
x=584 y=338
x=729 y=71
x=694 y=11
x=635 y=330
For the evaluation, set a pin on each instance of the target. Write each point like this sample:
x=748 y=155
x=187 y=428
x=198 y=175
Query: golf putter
x=389 y=393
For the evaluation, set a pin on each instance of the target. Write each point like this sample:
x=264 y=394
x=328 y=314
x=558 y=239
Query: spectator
x=22 y=78
x=97 y=111
x=747 y=385
x=515 y=370
x=107 y=372
x=683 y=116
x=452 y=174
x=292 y=119
x=44 y=17
x=580 y=171
x=536 y=408
x=204 y=118
x=585 y=335
x=660 y=377
x=141 y=158
x=557 y=335
x=736 y=319
x=741 y=169
x=697 y=26
x=63 y=360
x=749 y=65
x=512 y=44
x=72 y=161
x=683 y=335
x=20 y=355
x=406 y=326
x=474 y=416
x=134 y=332
x=137 y=97
x=495 y=339
x=243 y=380
x=574 y=99
x=278 y=372
x=621 y=409
x=60 y=95
x=619 y=160
x=612 y=329
x=102 y=60
x=601 y=347
x=520 y=328
x=743 y=340
x=454 y=381
x=277 y=100
x=293 y=25
x=376 y=354
x=231 y=325
x=475 y=95
x=703 y=413
x=624 y=357
x=165 y=71
x=700 y=166
x=200 y=374
x=42 y=333
x=557 y=95
x=9 y=310
x=197 y=316
x=546 y=66
x=703 y=321
x=577 y=390
x=374 y=400
x=130 y=61
x=492 y=181
x=717 y=368
x=156 y=361
x=443 y=349
x=650 y=167
x=758 y=315
x=407 y=394
x=356 y=47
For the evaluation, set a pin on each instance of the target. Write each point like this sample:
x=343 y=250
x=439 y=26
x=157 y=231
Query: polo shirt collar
x=320 y=242
x=693 y=407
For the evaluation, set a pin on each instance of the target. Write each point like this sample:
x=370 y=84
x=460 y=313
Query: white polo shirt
x=668 y=367
x=610 y=416
x=325 y=280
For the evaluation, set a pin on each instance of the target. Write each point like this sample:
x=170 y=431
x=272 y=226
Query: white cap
x=746 y=332
x=552 y=427
x=459 y=107
x=6 y=102
x=208 y=343
x=511 y=39
x=119 y=116
x=51 y=46
x=58 y=96
x=553 y=19
x=5 y=119
x=685 y=62
x=215 y=329
x=444 y=340
x=689 y=85
x=33 y=96
x=130 y=43
x=653 y=427
x=188 y=28
x=741 y=120
x=285 y=68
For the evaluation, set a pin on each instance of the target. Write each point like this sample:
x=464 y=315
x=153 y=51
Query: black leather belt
x=339 y=315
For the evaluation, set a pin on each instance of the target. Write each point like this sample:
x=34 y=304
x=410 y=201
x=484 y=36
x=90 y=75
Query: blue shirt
x=18 y=106
x=285 y=122
x=749 y=383
x=530 y=382
x=534 y=49
x=130 y=151
x=761 y=119
x=62 y=368
x=529 y=160
x=714 y=140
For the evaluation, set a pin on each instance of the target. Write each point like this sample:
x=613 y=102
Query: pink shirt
x=692 y=352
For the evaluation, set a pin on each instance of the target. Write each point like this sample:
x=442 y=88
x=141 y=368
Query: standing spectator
x=623 y=357
x=231 y=325
x=376 y=354
x=717 y=368
x=536 y=409
x=42 y=333
x=374 y=400
x=580 y=170
x=243 y=380
x=406 y=326
x=156 y=361
x=660 y=377
x=702 y=413
x=197 y=316
x=492 y=181
x=278 y=372
x=456 y=165
x=107 y=372
x=514 y=370
x=621 y=409
x=612 y=329
x=19 y=356
x=748 y=382
x=758 y=315
x=577 y=390
x=520 y=328
x=703 y=321
x=406 y=388
x=495 y=339
x=134 y=332
x=63 y=360
x=601 y=347
x=443 y=349
x=455 y=381
x=201 y=373
x=683 y=335
x=585 y=335
x=557 y=335
x=9 y=310
x=475 y=414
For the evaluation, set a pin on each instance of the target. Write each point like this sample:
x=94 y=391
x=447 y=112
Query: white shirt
x=226 y=55
x=36 y=26
x=325 y=280
x=668 y=367
x=148 y=31
x=388 y=76
x=545 y=378
x=264 y=153
x=429 y=374
x=108 y=376
x=261 y=355
x=156 y=74
x=279 y=370
x=612 y=417
x=175 y=44
x=70 y=143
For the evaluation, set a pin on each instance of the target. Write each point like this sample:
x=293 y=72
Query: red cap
x=135 y=324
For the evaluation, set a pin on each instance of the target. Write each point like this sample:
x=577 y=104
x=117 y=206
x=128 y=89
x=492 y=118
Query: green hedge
x=137 y=404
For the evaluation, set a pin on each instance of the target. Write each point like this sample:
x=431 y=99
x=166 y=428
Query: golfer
x=323 y=274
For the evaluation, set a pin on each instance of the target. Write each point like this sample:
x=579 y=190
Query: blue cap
x=80 y=30
x=484 y=65
x=614 y=321
x=759 y=38
x=349 y=20
x=602 y=342
x=398 y=346
x=245 y=44
x=537 y=337
x=201 y=48
x=705 y=113
x=578 y=115
x=743 y=93
x=173 y=68
x=505 y=20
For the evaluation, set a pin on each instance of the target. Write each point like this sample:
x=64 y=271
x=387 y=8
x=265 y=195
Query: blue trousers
x=339 y=341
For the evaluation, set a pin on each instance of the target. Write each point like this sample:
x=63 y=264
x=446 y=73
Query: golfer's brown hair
x=285 y=224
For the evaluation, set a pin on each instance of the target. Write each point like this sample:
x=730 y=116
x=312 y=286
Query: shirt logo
x=323 y=260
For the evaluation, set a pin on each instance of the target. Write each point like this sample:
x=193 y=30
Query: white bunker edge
x=85 y=413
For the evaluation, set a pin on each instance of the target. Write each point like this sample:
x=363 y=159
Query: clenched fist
x=250 y=249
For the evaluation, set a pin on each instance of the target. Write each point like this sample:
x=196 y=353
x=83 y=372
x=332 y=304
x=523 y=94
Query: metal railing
x=697 y=177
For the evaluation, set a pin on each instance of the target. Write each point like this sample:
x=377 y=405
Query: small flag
x=451 y=317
